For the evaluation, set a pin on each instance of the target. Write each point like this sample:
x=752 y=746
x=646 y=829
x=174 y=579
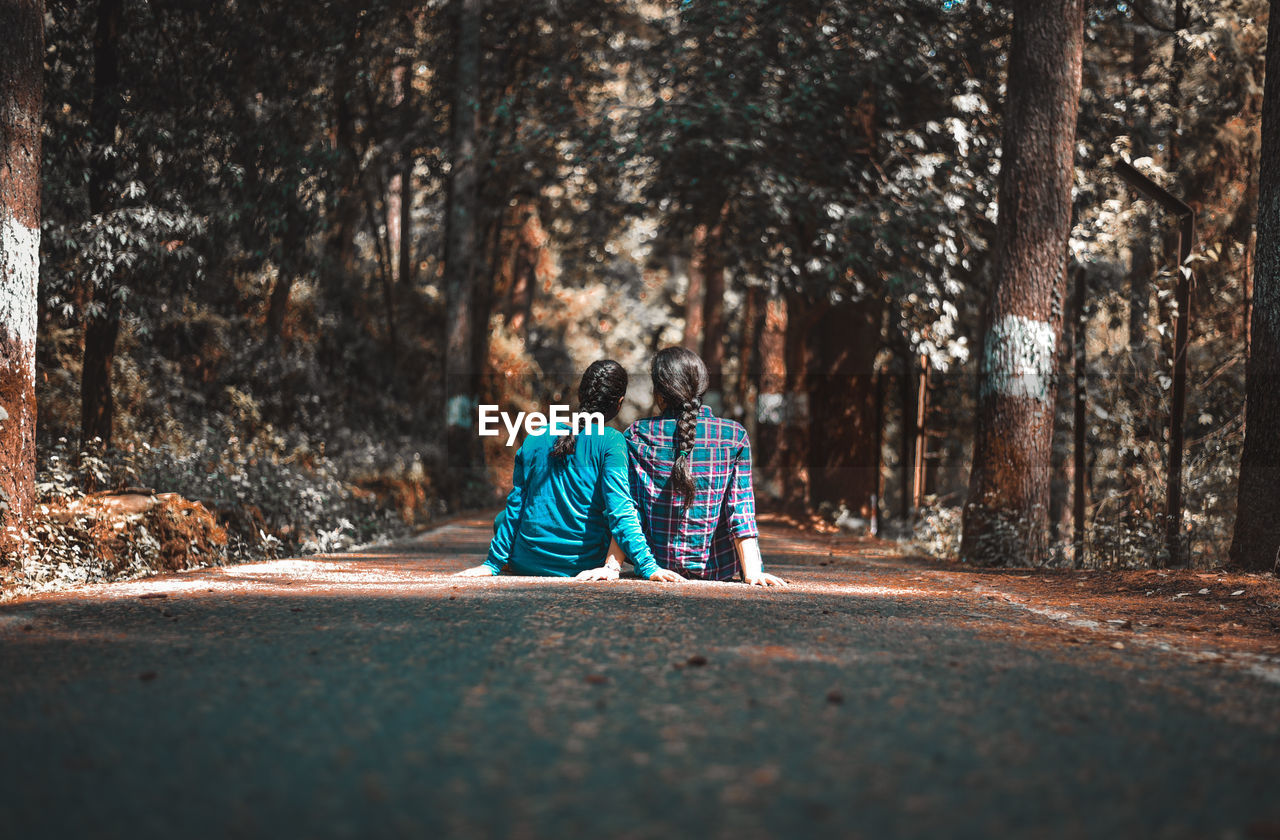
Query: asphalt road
x=372 y=695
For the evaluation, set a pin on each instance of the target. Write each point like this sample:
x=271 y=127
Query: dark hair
x=680 y=377
x=603 y=384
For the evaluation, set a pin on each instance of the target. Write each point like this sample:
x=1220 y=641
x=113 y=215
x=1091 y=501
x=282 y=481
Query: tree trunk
x=1079 y=391
x=749 y=357
x=1256 y=544
x=693 y=295
x=291 y=266
x=102 y=326
x=1006 y=517
x=769 y=445
x=278 y=306
x=907 y=441
x=843 y=429
x=1141 y=269
x=460 y=254
x=399 y=197
x=341 y=243
x=713 y=313
x=796 y=495
x=1067 y=425
x=406 y=218
x=21 y=94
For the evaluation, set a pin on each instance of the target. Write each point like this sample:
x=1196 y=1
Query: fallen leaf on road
x=697 y=660
x=834 y=696
x=147 y=676
x=596 y=679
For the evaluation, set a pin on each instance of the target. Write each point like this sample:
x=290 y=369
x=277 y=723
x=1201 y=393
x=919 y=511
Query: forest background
x=282 y=247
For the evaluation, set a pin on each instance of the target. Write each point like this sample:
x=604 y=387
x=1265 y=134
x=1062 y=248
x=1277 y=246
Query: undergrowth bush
x=125 y=513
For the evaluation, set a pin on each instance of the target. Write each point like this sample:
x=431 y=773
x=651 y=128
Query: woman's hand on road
x=476 y=571
x=666 y=576
x=599 y=573
x=763 y=579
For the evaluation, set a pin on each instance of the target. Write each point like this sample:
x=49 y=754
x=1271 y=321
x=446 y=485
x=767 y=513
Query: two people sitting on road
x=569 y=499
x=673 y=496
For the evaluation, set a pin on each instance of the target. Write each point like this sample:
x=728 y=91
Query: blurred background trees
x=286 y=250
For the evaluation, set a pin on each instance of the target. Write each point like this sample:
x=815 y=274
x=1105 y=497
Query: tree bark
x=21 y=96
x=406 y=218
x=102 y=326
x=796 y=496
x=770 y=443
x=460 y=254
x=278 y=306
x=907 y=441
x=693 y=294
x=845 y=466
x=342 y=233
x=749 y=357
x=1256 y=542
x=399 y=195
x=1006 y=516
x=1141 y=269
x=713 y=312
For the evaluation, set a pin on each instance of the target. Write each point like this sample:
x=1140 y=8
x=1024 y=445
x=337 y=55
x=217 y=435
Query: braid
x=686 y=436
x=603 y=384
x=681 y=378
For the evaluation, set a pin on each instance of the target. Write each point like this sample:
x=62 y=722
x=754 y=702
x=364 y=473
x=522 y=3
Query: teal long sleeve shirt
x=560 y=515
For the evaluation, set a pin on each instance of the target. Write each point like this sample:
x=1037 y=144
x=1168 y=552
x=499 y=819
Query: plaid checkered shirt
x=699 y=542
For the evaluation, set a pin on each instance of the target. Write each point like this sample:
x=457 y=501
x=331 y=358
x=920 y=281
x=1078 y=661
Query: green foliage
x=850 y=150
x=851 y=147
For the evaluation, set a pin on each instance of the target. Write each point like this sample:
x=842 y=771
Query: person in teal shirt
x=570 y=503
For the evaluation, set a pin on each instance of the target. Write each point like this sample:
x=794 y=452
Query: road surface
x=372 y=695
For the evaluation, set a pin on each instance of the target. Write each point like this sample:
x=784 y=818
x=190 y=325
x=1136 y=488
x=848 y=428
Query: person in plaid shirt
x=690 y=477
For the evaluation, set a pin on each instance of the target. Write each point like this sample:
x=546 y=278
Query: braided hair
x=603 y=385
x=680 y=378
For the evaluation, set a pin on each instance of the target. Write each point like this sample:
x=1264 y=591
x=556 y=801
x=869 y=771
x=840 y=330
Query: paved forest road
x=371 y=695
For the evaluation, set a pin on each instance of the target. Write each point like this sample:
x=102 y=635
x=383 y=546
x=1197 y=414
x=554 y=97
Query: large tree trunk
x=1256 y=544
x=693 y=294
x=102 y=326
x=461 y=254
x=713 y=312
x=801 y=316
x=770 y=443
x=845 y=466
x=749 y=358
x=1007 y=515
x=21 y=92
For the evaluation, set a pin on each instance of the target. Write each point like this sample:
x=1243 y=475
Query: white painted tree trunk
x=21 y=92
